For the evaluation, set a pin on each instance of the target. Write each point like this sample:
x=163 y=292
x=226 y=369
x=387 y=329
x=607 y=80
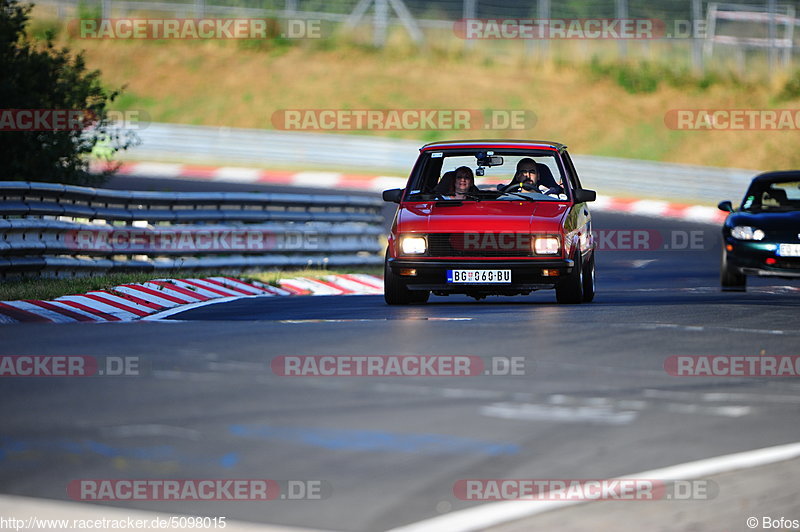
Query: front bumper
x=526 y=275
x=750 y=258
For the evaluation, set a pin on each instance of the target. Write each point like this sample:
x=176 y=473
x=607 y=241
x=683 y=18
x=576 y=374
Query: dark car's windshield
x=772 y=195
x=458 y=175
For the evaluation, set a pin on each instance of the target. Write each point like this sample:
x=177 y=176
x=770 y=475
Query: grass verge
x=45 y=289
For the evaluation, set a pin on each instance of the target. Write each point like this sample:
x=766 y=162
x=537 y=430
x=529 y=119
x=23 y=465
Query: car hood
x=483 y=216
x=767 y=221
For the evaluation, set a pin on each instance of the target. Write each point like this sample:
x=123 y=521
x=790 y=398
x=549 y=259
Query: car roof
x=782 y=175
x=495 y=144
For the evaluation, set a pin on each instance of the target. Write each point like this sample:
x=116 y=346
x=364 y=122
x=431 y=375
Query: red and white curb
x=129 y=302
x=335 y=180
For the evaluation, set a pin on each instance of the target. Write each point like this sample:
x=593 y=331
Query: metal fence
x=60 y=230
x=687 y=28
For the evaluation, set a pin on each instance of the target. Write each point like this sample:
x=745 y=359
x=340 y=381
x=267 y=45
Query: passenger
x=457 y=185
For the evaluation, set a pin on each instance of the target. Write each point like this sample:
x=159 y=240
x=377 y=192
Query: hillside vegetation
x=595 y=107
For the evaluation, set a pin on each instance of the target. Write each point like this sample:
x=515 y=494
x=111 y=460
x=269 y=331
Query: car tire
x=731 y=280
x=570 y=290
x=395 y=291
x=588 y=280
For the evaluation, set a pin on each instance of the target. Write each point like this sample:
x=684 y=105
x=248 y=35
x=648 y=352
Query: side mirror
x=726 y=206
x=394 y=195
x=582 y=195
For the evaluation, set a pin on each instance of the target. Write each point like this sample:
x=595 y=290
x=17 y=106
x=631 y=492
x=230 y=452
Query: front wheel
x=570 y=290
x=395 y=291
x=730 y=279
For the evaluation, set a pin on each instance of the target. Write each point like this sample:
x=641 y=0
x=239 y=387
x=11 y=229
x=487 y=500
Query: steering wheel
x=515 y=187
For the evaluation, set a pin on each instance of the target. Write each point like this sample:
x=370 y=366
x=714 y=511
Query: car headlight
x=546 y=245
x=746 y=232
x=413 y=245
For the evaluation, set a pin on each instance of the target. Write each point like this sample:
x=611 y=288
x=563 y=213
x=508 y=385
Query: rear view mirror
x=726 y=206
x=490 y=160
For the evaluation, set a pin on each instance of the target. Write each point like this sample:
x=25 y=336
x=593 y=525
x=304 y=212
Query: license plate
x=479 y=276
x=789 y=250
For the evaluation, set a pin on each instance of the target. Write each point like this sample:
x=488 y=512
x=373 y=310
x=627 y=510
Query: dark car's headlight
x=413 y=245
x=747 y=232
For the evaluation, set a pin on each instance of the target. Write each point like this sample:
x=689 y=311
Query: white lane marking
x=121 y=301
x=211 y=286
x=318 y=289
x=718 y=397
x=699 y=213
x=354 y=286
x=51 y=315
x=641 y=263
x=371 y=280
x=166 y=289
x=650 y=207
x=76 y=310
x=97 y=305
x=246 y=287
x=723 y=411
x=133 y=431
x=169 y=312
x=236 y=174
x=29 y=509
x=382 y=182
x=699 y=328
x=603 y=415
x=136 y=291
x=493 y=514
x=194 y=288
x=157 y=169
x=316 y=179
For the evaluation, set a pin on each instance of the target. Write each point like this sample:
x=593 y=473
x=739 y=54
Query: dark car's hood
x=770 y=221
x=483 y=216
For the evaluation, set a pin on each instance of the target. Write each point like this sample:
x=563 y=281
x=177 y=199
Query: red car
x=491 y=217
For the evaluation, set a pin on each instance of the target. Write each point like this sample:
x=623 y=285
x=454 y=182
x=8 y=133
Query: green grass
x=52 y=288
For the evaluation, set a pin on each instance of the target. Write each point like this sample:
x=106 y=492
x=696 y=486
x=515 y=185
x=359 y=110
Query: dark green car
x=762 y=237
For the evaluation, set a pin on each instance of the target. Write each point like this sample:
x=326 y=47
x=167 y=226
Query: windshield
x=773 y=195
x=468 y=176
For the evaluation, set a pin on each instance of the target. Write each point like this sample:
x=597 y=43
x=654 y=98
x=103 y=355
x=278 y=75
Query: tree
x=40 y=86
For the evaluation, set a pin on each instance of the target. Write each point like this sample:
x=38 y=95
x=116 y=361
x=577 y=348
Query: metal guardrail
x=608 y=175
x=61 y=230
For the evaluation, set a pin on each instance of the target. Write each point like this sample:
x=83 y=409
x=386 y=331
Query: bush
x=791 y=89
x=645 y=77
x=39 y=76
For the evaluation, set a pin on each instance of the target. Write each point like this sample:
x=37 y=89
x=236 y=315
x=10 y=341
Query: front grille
x=479 y=245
